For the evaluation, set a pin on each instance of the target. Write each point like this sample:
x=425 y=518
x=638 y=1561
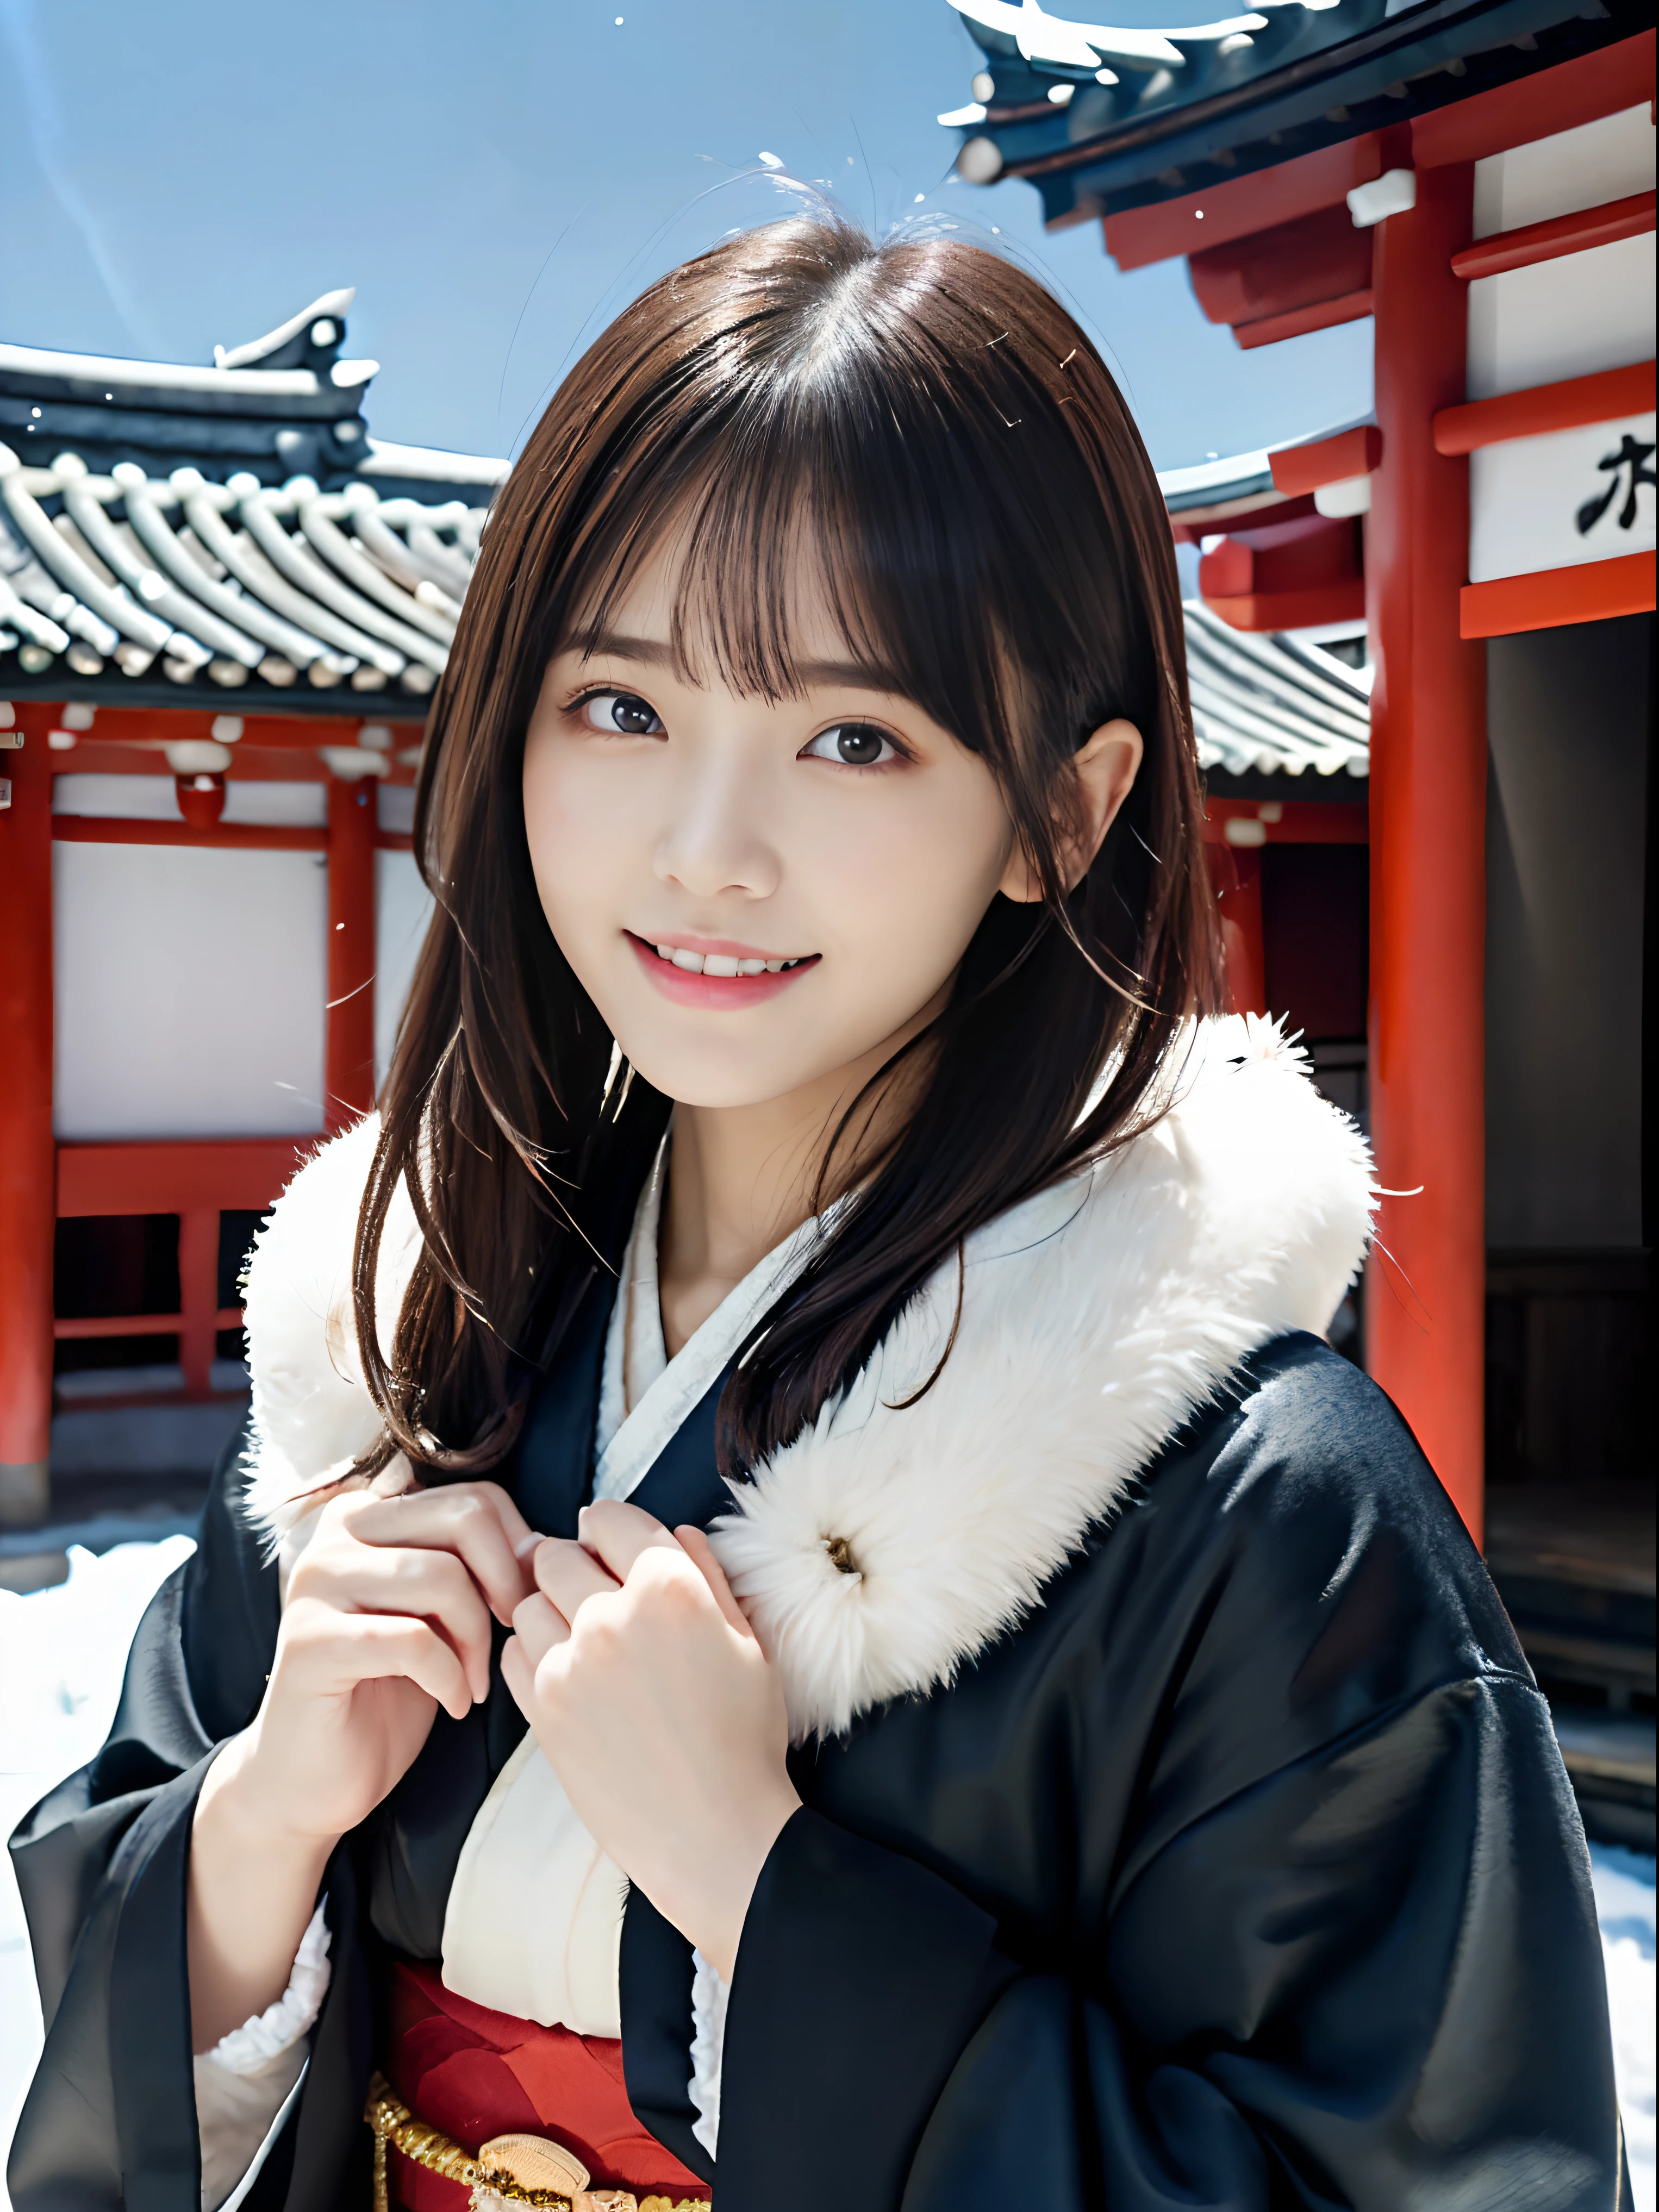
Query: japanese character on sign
x=1636 y=457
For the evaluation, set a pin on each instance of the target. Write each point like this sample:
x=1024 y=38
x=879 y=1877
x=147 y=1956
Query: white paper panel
x=1609 y=160
x=126 y=798
x=190 y=990
x=403 y=908
x=140 y=797
x=1569 y=317
x=394 y=806
x=1526 y=495
x=293 y=805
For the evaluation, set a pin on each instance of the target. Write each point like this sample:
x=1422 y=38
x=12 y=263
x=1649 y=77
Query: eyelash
x=901 y=752
x=901 y=755
x=616 y=691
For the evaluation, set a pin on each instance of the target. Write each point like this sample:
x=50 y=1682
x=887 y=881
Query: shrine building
x=1476 y=178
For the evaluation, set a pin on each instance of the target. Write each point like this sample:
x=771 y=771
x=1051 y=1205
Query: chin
x=693 y=1080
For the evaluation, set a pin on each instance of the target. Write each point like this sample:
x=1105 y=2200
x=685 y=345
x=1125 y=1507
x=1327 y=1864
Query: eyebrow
x=651 y=652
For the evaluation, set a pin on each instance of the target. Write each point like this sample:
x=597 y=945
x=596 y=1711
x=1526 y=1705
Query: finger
x=617 y=1534
x=475 y=1521
x=539 y=1626
x=384 y=1644
x=525 y=1679
x=701 y=1552
x=567 y=1574
x=431 y=1586
x=519 y=1676
x=517 y=1530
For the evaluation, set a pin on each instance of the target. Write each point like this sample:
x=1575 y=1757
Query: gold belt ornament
x=516 y=2169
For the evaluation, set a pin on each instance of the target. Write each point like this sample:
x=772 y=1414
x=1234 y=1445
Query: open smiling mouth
x=733 y=976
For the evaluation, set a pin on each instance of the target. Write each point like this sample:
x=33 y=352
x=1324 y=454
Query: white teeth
x=722 y=964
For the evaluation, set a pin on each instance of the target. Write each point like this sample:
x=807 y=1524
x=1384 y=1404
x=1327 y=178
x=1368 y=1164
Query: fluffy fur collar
x=884 y=1548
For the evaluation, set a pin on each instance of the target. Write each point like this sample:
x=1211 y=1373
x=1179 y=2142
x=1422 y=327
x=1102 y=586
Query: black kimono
x=1232 y=1864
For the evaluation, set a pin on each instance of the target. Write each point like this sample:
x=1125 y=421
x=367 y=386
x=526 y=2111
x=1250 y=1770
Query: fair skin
x=841 y=830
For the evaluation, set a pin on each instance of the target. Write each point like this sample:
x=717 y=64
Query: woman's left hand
x=652 y=1700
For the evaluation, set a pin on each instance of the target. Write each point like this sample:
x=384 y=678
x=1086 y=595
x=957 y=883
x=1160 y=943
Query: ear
x=1105 y=768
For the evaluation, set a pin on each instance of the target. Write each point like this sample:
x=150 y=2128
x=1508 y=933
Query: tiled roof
x=232 y=528
x=1274 y=705
x=1103 y=119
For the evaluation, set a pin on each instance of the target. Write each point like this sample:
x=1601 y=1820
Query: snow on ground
x=61 y=1653
x=1624 y=1906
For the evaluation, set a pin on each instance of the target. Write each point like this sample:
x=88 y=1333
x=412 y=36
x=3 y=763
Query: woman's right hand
x=387 y=1618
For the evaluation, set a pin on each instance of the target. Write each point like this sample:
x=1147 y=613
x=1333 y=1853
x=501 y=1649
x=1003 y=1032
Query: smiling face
x=757 y=894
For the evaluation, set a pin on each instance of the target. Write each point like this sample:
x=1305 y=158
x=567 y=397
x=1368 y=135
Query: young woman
x=807 y=1618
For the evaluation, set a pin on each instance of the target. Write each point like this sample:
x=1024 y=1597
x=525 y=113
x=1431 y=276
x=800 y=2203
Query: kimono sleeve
x=1371 y=1978
x=101 y=1863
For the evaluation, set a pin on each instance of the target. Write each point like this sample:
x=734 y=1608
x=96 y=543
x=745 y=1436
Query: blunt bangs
x=927 y=478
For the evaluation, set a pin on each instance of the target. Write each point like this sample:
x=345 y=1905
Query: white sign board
x=1557 y=501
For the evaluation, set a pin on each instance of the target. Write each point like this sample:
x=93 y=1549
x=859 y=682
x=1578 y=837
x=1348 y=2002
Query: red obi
x=474 y=2074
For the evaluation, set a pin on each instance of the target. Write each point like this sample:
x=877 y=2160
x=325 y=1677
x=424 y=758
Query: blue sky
x=497 y=177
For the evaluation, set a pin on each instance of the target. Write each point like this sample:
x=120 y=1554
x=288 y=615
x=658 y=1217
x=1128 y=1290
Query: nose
x=716 y=838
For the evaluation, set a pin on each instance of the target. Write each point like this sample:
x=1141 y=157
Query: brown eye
x=622 y=710
x=855 y=744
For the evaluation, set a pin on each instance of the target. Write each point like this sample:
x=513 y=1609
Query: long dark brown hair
x=935 y=428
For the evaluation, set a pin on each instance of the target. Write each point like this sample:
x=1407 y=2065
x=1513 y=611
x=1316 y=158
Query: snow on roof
x=231 y=528
x=1236 y=481
x=1103 y=118
x=227 y=583
x=329 y=309
x=430 y=463
x=1235 y=477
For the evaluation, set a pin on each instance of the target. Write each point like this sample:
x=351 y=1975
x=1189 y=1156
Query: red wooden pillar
x=198 y=1297
x=28 y=1164
x=348 y=1055
x=1238 y=872
x=1425 y=1303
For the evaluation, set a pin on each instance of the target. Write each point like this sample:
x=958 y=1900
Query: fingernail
x=527 y=1544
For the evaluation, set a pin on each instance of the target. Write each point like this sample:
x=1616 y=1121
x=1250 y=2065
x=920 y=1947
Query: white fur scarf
x=885 y=1547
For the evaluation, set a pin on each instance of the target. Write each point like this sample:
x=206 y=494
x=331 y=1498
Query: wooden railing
x=198 y=1182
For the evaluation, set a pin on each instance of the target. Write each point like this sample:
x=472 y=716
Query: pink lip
x=714 y=994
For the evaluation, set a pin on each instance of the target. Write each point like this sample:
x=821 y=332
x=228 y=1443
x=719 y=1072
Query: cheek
x=908 y=883
x=577 y=843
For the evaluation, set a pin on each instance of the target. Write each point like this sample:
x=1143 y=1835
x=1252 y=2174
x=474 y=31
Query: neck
x=742 y=1178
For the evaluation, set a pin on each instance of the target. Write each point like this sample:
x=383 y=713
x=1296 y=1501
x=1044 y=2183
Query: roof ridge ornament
x=318 y=329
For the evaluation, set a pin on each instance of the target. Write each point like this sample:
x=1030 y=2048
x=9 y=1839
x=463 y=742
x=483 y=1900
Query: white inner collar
x=644 y=1395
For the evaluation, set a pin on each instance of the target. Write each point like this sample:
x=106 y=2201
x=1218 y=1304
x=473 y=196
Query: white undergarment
x=533 y=1925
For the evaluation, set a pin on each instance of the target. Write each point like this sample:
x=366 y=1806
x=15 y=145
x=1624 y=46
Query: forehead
x=767 y=616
